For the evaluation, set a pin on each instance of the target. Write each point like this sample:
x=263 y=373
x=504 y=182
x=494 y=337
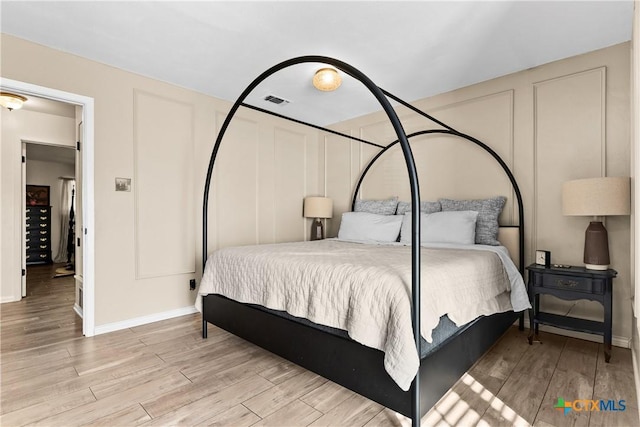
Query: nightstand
x=571 y=284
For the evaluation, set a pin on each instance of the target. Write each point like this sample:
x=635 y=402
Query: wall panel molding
x=569 y=143
x=236 y=184
x=163 y=145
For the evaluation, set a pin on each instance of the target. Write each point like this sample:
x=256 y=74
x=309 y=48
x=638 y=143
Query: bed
x=397 y=366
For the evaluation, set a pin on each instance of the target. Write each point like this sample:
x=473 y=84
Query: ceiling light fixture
x=11 y=101
x=327 y=79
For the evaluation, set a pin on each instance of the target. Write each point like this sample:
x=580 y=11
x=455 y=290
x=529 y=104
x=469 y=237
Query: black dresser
x=38 y=235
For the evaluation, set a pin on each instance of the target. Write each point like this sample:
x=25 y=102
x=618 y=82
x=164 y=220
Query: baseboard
x=137 y=321
x=617 y=341
x=9 y=299
x=78 y=310
x=636 y=372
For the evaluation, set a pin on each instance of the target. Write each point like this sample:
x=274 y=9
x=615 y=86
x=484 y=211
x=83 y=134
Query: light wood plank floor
x=165 y=374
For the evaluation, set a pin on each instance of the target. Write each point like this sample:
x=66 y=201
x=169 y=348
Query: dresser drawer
x=570 y=283
x=36 y=239
x=38 y=226
x=42 y=246
x=36 y=220
x=38 y=256
x=36 y=210
x=36 y=233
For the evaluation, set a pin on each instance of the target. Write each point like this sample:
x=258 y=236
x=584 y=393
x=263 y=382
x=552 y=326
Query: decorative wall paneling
x=266 y=168
x=569 y=143
x=447 y=166
x=560 y=121
x=163 y=159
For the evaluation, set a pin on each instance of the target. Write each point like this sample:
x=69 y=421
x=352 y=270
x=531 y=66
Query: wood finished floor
x=165 y=374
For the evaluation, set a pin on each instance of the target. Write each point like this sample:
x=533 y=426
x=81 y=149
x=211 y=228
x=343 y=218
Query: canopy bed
x=430 y=349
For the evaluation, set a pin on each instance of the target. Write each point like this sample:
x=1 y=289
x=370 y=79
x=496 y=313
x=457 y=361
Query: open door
x=23 y=259
x=79 y=225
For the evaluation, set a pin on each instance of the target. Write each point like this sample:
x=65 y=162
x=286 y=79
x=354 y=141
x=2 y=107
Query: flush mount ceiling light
x=11 y=101
x=327 y=79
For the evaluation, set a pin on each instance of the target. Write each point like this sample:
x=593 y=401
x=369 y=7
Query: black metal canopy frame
x=382 y=97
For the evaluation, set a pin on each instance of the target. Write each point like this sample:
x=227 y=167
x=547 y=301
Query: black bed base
x=350 y=364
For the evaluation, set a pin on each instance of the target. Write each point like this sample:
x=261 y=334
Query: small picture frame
x=543 y=258
x=123 y=184
x=38 y=195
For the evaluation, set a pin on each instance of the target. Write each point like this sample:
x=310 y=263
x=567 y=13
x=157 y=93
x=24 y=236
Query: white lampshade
x=597 y=196
x=318 y=207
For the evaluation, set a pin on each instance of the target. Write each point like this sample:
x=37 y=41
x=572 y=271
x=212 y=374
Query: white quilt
x=365 y=289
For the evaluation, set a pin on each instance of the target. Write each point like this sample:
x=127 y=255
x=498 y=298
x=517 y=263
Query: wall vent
x=276 y=100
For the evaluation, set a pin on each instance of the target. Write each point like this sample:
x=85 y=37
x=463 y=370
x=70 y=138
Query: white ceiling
x=412 y=49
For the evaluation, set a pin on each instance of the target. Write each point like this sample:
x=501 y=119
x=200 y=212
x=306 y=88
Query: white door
x=23 y=262
x=79 y=225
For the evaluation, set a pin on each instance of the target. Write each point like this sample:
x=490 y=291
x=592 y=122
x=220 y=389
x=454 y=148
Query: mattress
x=365 y=289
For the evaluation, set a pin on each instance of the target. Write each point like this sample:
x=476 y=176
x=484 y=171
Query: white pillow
x=365 y=226
x=443 y=227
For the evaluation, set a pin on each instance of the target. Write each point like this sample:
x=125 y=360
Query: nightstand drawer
x=570 y=283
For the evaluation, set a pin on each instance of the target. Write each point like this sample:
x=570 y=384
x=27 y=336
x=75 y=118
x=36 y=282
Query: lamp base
x=596 y=247
x=596 y=267
x=317 y=230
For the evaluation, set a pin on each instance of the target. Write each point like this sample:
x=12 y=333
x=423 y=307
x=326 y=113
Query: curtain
x=65 y=206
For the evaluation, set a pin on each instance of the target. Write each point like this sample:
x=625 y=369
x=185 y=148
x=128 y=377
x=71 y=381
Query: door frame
x=23 y=243
x=87 y=155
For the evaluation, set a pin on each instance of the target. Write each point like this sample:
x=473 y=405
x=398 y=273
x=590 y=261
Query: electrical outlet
x=192 y=284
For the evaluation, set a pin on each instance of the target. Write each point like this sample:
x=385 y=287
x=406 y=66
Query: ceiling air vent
x=276 y=100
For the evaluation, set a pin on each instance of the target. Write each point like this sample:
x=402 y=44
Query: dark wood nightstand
x=571 y=284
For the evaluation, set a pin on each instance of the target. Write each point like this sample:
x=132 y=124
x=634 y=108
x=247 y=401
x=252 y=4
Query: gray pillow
x=425 y=207
x=457 y=227
x=488 y=212
x=378 y=207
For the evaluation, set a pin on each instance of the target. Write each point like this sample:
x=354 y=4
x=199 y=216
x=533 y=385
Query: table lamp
x=597 y=197
x=317 y=207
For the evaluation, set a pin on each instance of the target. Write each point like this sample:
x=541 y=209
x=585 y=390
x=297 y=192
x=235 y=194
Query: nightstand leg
x=531 y=317
x=533 y=325
x=607 y=325
x=536 y=305
x=521 y=322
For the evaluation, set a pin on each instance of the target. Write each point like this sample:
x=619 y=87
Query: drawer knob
x=43 y=218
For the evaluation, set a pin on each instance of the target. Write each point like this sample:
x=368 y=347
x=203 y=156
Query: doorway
x=85 y=205
x=50 y=172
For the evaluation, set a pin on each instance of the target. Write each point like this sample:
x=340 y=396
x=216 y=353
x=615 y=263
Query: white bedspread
x=365 y=289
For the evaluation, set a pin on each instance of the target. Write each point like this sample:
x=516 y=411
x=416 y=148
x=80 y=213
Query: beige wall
x=147 y=241
x=635 y=192
x=560 y=121
x=564 y=120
